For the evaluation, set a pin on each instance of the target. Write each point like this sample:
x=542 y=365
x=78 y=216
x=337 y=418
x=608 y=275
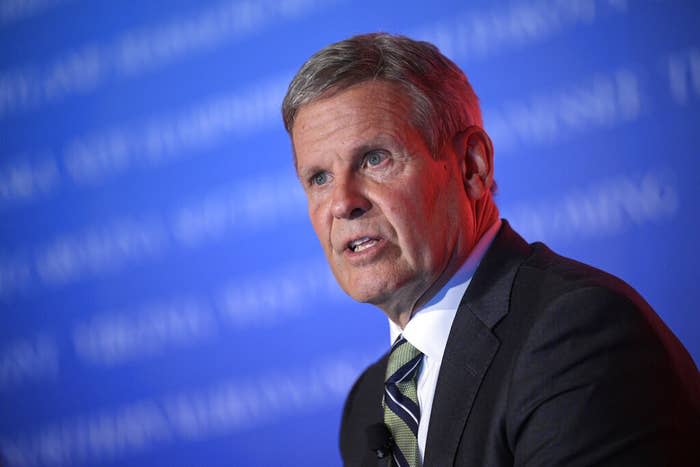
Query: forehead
x=364 y=112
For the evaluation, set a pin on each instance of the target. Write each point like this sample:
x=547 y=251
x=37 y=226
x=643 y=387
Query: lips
x=362 y=243
x=357 y=242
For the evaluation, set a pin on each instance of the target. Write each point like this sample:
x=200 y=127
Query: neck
x=400 y=310
x=486 y=214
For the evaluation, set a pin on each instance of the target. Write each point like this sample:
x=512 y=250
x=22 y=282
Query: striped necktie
x=401 y=411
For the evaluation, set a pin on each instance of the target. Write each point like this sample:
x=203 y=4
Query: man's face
x=387 y=214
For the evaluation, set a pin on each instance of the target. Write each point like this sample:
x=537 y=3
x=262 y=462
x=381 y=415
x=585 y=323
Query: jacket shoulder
x=593 y=348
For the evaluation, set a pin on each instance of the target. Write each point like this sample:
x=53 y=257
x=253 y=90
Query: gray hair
x=443 y=101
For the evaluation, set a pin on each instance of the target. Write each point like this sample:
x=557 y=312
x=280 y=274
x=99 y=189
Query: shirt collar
x=429 y=327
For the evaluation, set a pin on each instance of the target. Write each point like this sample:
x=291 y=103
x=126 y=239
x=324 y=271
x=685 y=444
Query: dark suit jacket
x=548 y=362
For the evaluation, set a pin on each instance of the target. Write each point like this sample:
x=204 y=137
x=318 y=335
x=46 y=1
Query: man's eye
x=319 y=179
x=374 y=158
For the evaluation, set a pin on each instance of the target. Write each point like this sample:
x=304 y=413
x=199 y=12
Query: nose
x=348 y=202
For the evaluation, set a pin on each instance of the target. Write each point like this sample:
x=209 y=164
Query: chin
x=369 y=290
x=362 y=296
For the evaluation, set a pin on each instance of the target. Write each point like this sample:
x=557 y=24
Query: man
x=504 y=353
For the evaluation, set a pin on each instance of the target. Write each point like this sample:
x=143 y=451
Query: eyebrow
x=305 y=172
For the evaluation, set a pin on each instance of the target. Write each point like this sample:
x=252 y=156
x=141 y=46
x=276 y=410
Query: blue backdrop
x=163 y=298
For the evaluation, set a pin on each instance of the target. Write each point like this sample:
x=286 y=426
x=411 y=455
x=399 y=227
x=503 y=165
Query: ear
x=474 y=152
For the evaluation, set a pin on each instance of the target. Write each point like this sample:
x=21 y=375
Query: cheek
x=410 y=217
x=318 y=222
x=426 y=202
x=434 y=217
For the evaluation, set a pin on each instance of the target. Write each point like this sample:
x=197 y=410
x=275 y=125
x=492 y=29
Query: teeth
x=362 y=244
x=365 y=245
x=354 y=244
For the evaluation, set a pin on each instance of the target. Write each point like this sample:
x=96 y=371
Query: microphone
x=379 y=440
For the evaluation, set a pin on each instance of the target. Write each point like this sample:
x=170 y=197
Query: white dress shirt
x=430 y=326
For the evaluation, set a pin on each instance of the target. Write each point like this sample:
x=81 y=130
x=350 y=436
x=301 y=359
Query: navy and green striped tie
x=401 y=411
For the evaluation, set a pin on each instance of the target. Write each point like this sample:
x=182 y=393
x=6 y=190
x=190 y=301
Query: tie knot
x=404 y=360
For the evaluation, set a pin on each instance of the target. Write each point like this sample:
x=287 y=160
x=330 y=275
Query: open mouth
x=362 y=244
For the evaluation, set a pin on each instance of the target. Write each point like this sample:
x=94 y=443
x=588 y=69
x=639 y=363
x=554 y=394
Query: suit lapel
x=471 y=345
